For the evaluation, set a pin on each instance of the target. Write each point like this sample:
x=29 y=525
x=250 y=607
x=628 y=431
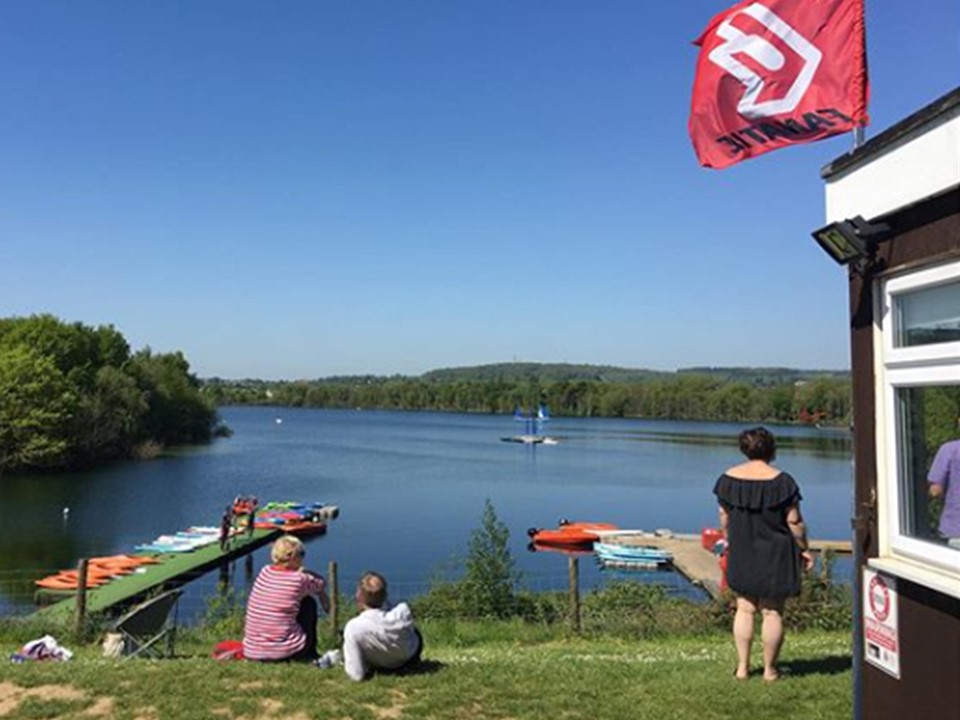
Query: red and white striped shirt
x=271 y=631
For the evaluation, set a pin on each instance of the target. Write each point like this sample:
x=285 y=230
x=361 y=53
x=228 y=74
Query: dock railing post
x=81 y=607
x=574 y=572
x=334 y=594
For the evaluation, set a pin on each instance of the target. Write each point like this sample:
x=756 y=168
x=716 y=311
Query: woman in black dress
x=766 y=546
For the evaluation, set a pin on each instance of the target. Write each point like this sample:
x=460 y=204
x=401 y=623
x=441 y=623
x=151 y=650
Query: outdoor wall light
x=851 y=242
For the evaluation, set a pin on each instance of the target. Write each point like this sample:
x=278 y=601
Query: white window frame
x=905 y=367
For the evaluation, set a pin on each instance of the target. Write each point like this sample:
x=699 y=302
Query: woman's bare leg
x=743 y=634
x=772 y=635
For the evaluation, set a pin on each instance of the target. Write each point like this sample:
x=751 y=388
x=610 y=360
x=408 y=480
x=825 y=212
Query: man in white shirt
x=381 y=637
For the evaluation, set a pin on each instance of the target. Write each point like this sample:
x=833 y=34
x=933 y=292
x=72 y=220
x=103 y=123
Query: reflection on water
x=411 y=488
x=834 y=443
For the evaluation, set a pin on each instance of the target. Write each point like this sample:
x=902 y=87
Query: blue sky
x=303 y=189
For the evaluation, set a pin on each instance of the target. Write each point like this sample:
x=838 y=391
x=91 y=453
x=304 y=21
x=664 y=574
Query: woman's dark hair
x=758 y=444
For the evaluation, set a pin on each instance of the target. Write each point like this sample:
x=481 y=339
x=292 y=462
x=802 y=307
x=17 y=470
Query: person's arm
x=352 y=655
x=318 y=587
x=799 y=530
x=724 y=520
x=939 y=470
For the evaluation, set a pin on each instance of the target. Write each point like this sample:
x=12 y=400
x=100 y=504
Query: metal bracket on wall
x=865 y=521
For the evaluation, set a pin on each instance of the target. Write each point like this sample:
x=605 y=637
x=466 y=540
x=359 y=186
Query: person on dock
x=382 y=637
x=226 y=525
x=281 y=617
x=767 y=546
x=252 y=514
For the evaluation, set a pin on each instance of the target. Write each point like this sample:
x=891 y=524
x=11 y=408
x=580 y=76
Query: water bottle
x=329 y=659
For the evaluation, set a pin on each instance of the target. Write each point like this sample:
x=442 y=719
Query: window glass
x=928 y=316
x=928 y=436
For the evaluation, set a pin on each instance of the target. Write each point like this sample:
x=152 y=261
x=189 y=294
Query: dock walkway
x=691 y=560
x=173 y=569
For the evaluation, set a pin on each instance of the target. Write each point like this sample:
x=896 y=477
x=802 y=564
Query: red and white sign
x=773 y=73
x=881 y=634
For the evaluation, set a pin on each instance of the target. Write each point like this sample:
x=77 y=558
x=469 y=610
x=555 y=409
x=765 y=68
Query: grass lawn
x=473 y=673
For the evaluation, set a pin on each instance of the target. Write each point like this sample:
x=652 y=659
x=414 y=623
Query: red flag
x=773 y=73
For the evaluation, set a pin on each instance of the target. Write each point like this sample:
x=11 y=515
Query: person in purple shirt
x=944 y=479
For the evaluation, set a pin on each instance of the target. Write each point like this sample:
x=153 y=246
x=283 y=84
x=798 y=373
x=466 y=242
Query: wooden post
x=81 y=607
x=333 y=593
x=574 y=571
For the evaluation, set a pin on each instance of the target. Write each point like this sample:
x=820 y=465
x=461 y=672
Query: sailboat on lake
x=533 y=427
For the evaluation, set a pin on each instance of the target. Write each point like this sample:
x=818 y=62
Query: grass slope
x=464 y=677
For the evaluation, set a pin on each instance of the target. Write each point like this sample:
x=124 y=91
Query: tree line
x=75 y=396
x=681 y=396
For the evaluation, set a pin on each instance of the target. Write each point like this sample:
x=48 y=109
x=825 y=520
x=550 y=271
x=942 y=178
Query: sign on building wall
x=881 y=635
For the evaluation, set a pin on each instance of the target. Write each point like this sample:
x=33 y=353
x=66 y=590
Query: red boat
x=569 y=550
x=569 y=534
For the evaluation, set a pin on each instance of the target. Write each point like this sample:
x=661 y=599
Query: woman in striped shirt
x=281 y=619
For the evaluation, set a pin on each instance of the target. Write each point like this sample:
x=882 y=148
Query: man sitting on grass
x=381 y=637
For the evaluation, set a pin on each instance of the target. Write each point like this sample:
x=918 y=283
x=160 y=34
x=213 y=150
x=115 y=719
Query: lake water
x=411 y=488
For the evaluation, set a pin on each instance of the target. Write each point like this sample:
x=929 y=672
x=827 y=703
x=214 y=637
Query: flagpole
x=859 y=132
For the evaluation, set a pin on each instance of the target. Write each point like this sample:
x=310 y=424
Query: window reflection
x=929 y=439
x=928 y=316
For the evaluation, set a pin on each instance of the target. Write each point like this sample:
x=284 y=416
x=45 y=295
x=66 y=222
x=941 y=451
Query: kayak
x=69 y=580
x=294 y=527
x=304 y=528
x=587 y=526
x=569 y=534
x=645 y=553
x=569 y=550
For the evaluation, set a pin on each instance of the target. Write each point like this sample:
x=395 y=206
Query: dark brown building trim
x=924 y=233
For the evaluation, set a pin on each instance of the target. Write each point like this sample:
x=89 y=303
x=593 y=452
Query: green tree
x=490 y=574
x=177 y=413
x=109 y=419
x=37 y=409
x=615 y=401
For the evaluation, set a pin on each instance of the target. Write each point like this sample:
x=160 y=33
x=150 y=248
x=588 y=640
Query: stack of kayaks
x=100 y=570
x=183 y=541
x=632 y=557
x=295 y=518
x=569 y=534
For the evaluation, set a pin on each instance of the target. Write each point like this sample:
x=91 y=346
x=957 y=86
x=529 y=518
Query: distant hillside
x=542 y=372
x=730 y=394
x=520 y=372
x=764 y=376
x=555 y=372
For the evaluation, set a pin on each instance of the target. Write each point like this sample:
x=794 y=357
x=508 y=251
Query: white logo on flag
x=766 y=55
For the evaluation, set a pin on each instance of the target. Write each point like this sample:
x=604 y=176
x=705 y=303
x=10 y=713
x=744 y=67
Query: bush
x=487 y=589
x=222 y=617
x=490 y=575
x=822 y=603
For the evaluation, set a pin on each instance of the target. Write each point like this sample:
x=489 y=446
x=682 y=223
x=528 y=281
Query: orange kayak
x=61 y=582
x=305 y=528
x=570 y=550
x=121 y=561
x=569 y=534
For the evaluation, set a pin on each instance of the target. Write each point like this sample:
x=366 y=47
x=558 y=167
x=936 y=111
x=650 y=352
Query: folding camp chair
x=146 y=625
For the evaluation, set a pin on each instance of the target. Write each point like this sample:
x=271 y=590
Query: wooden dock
x=172 y=570
x=691 y=560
